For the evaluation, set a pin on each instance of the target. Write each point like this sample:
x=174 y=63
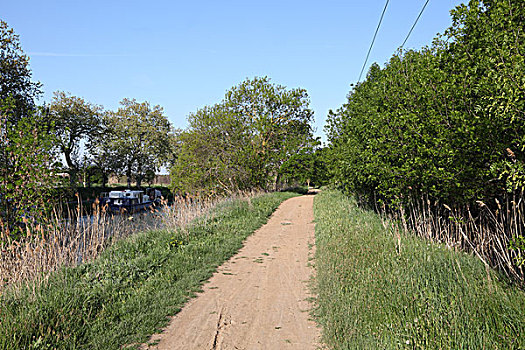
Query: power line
x=373 y=40
x=414 y=25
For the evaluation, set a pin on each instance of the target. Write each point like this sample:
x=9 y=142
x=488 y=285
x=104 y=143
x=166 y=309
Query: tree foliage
x=447 y=120
x=25 y=177
x=212 y=153
x=241 y=142
x=75 y=120
x=104 y=157
x=25 y=141
x=307 y=167
x=140 y=137
x=15 y=80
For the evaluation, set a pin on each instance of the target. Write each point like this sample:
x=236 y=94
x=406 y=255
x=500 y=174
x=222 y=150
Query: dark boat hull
x=129 y=208
x=126 y=207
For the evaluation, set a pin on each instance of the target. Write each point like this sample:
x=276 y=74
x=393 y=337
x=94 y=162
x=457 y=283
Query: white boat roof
x=125 y=194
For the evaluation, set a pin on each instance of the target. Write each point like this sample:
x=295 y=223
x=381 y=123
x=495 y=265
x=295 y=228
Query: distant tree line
x=134 y=141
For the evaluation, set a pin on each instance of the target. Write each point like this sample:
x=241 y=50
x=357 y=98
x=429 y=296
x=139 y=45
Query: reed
x=69 y=237
x=488 y=230
x=376 y=290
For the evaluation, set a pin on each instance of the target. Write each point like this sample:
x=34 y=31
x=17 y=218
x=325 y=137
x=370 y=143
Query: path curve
x=259 y=298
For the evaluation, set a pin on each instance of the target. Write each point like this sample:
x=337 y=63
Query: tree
x=215 y=153
x=25 y=177
x=298 y=169
x=104 y=157
x=240 y=143
x=139 y=134
x=174 y=148
x=487 y=44
x=439 y=133
x=25 y=141
x=307 y=167
x=15 y=77
x=279 y=121
x=75 y=120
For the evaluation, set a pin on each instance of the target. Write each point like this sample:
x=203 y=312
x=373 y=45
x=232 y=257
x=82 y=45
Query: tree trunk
x=276 y=180
x=88 y=180
x=139 y=176
x=128 y=176
x=72 y=171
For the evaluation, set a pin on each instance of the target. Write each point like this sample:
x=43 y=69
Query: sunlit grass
x=380 y=292
x=126 y=293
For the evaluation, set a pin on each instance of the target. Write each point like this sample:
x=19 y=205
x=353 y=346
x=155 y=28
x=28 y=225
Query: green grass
x=371 y=296
x=127 y=293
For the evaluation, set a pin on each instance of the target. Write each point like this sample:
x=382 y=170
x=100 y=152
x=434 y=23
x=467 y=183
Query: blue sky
x=184 y=55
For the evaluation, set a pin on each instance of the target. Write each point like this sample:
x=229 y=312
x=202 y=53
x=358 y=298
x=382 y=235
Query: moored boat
x=130 y=200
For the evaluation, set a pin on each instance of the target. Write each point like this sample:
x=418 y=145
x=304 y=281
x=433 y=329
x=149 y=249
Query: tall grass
x=69 y=237
x=379 y=288
x=489 y=230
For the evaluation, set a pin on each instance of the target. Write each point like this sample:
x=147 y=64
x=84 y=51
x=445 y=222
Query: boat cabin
x=127 y=200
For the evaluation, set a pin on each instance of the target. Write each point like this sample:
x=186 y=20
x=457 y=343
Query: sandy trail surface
x=259 y=298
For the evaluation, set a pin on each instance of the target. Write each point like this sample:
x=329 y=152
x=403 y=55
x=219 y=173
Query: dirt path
x=257 y=299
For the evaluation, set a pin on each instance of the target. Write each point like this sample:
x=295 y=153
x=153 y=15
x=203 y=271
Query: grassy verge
x=126 y=294
x=374 y=293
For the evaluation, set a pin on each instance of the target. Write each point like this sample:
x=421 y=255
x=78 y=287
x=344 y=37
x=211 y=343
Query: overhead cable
x=414 y=25
x=373 y=40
